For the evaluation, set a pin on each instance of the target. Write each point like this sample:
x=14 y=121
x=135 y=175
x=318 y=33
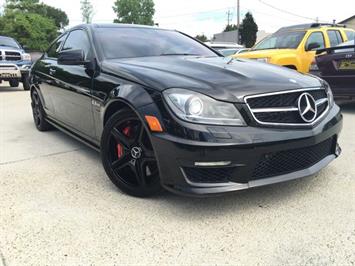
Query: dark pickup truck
x=15 y=63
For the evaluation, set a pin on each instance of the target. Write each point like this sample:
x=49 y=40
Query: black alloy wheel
x=128 y=157
x=38 y=113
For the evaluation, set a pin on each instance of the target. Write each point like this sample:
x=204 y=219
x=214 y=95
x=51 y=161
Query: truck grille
x=12 y=56
x=284 y=162
x=282 y=108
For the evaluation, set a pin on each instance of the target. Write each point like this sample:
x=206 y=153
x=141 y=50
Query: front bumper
x=13 y=71
x=246 y=149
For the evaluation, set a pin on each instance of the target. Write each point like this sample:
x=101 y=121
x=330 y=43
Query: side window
x=54 y=49
x=350 y=35
x=334 y=37
x=78 y=39
x=316 y=37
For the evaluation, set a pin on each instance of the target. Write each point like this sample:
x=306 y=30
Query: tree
x=248 y=30
x=32 y=23
x=87 y=11
x=134 y=11
x=33 y=30
x=231 y=27
x=34 y=6
x=202 y=38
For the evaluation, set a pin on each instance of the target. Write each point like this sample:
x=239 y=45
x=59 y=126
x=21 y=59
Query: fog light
x=205 y=164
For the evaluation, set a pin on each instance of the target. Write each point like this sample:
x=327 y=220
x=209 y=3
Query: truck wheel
x=14 y=83
x=26 y=82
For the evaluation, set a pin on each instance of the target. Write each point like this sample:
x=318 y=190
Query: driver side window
x=53 y=51
x=78 y=40
x=316 y=37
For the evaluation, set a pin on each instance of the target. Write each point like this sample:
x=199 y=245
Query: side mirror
x=312 y=46
x=72 y=58
x=25 y=48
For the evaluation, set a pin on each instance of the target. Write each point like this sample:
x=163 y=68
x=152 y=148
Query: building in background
x=349 y=22
x=231 y=36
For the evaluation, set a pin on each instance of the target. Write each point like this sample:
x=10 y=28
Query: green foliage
x=32 y=23
x=134 y=11
x=248 y=31
x=202 y=38
x=87 y=11
x=32 y=30
x=231 y=27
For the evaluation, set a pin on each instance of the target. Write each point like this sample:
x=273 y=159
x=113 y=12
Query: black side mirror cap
x=312 y=46
x=72 y=57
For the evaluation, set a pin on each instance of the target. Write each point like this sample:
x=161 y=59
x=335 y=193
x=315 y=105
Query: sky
x=210 y=16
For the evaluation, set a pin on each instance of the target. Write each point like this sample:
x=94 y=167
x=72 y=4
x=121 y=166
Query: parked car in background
x=294 y=47
x=15 y=63
x=336 y=65
x=232 y=51
x=168 y=111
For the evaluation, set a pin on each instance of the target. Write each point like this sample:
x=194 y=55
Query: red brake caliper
x=120 y=150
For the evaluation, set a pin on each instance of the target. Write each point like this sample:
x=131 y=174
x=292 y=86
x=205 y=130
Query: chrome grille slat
x=281 y=108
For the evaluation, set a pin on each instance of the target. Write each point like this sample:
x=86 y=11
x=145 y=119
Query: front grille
x=281 y=108
x=284 y=162
x=208 y=175
x=12 y=56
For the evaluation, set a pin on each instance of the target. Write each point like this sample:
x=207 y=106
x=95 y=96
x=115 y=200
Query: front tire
x=26 y=82
x=14 y=83
x=128 y=157
x=38 y=113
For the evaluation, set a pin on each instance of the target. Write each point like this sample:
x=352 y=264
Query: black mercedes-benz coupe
x=166 y=111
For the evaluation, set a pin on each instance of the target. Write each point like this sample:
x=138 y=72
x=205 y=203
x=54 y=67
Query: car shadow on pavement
x=10 y=89
x=348 y=108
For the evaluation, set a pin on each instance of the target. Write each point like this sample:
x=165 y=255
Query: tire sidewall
x=136 y=191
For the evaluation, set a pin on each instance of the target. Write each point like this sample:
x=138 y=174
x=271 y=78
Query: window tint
x=316 y=37
x=350 y=35
x=120 y=42
x=54 y=49
x=78 y=39
x=334 y=37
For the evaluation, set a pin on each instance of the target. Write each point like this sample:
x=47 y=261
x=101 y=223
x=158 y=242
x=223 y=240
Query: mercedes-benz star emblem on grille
x=136 y=152
x=307 y=107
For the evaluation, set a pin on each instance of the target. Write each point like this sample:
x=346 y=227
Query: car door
x=308 y=56
x=73 y=93
x=45 y=68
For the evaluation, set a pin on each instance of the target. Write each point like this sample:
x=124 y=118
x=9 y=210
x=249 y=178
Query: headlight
x=329 y=94
x=198 y=108
x=26 y=57
x=264 y=60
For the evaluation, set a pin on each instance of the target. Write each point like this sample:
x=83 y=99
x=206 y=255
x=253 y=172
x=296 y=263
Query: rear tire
x=128 y=157
x=38 y=113
x=14 y=83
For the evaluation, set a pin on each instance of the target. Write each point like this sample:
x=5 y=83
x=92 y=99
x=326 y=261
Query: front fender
x=141 y=100
x=285 y=60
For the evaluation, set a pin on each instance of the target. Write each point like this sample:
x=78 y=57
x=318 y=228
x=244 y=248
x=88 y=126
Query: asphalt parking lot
x=58 y=207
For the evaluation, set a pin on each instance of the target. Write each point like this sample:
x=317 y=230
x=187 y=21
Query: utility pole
x=238 y=20
x=229 y=16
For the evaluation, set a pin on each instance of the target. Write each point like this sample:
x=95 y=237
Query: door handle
x=52 y=71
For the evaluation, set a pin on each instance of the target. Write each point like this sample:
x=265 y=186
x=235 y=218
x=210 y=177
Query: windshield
x=281 y=40
x=121 y=42
x=6 y=41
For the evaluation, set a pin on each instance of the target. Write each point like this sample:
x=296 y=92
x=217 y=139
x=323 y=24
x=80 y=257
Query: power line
x=285 y=11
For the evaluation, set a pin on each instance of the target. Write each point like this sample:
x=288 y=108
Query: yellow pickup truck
x=294 y=47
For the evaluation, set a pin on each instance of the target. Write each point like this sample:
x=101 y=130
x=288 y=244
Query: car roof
x=310 y=26
x=115 y=25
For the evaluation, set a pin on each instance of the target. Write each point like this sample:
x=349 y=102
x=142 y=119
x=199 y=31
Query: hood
x=265 y=53
x=222 y=78
x=10 y=48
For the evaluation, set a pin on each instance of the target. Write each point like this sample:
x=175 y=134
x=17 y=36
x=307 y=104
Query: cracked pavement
x=58 y=207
